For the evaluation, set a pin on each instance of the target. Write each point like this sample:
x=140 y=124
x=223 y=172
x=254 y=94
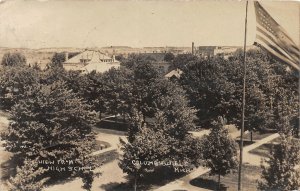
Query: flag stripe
x=275 y=48
x=282 y=58
x=293 y=53
x=287 y=36
x=274 y=39
x=270 y=40
x=265 y=20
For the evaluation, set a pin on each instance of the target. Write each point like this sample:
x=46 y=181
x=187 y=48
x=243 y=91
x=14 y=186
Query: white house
x=90 y=60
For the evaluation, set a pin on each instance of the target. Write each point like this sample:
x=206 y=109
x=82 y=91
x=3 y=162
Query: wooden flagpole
x=243 y=106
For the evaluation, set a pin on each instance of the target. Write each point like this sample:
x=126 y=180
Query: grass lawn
x=255 y=135
x=149 y=182
x=264 y=150
x=229 y=183
x=245 y=142
x=107 y=157
x=113 y=124
x=109 y=131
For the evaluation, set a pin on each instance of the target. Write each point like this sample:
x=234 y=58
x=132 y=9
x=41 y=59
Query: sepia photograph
x=149 y=95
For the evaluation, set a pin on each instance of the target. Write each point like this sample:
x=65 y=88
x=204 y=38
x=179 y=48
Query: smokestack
x=192 y=48
x=66 y=56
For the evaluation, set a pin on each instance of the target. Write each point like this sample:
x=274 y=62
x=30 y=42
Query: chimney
x=192 y=48
x=66 y=56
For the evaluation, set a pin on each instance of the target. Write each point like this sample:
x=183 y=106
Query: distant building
x=212 y=51
x=225 y=51
x=205 y=51
x=90 y=60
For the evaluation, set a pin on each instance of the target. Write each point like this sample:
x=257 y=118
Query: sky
x=98 y=23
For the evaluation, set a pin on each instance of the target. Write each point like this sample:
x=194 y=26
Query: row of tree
x=49 y=122
x=214 y=87
x=53 y=111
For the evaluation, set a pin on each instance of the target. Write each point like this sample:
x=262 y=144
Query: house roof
x=177 y=73
x=90 y=60
x=91 y=55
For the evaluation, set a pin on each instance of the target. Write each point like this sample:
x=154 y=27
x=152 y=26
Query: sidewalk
x=111 y=175
x=253 y=159
x=111 y=172
x=184 y=182
x=113 y=140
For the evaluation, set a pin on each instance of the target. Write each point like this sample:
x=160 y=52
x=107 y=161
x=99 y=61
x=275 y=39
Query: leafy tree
x=169 y=98
x=52 y=123
x=13 y=59
x=214 y=89
x=169 y=57
x=36 y=66
x=268 y=83
x=148 y=145
x=182 y=147
x=52 y=74
x=120 y=58
x=144 y=75
x=108 y=92
x=159 y=121
x=219 y=150
x=14 y=82
x=258 y=90
x=58 y=59
x=280 y=172
x=135 y=60
x=157 y=143
x=92 y=90
x=287 y=107
x=152 y=93
x=73 y=79
x=159 y=129
x=28 y=177
x=181 y=61
x=116 y=90
x=258 y=115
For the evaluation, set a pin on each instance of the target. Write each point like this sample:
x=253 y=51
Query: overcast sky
x=66 y=23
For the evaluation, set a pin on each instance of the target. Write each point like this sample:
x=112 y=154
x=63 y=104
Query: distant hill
x=41 y=56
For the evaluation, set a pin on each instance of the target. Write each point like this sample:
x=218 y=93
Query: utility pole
x=193 y=51
x=243 y=106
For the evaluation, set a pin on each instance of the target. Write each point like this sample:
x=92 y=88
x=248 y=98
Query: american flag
x=273 y=38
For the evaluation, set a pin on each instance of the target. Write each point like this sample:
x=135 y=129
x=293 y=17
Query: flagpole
x=243 y=106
